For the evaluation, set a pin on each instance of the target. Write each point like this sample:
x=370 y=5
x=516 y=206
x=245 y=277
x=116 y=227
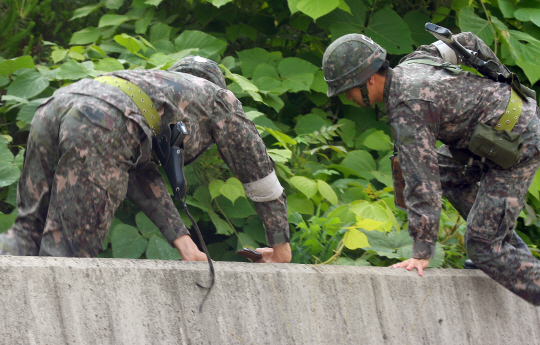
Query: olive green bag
x=499 y=146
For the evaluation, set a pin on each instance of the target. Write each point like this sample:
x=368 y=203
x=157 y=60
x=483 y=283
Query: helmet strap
x=365 y=95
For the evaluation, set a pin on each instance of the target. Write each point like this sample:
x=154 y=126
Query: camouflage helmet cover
x=200 y=67
x=349 y=61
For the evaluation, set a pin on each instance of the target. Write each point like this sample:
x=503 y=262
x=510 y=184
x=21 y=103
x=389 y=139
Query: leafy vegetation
x=331 y=156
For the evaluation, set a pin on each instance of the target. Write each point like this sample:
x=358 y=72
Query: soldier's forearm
x=274 y=217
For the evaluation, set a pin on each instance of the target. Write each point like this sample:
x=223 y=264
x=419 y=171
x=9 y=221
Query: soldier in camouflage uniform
x=90 y=147
x=427 y=103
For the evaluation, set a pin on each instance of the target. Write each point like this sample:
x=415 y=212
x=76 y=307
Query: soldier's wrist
x=422 y=250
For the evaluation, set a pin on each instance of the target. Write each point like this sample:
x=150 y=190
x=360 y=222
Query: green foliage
x=331 y=156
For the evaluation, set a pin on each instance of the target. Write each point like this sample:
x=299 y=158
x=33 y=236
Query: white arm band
x=266 y=189
x=447 y=53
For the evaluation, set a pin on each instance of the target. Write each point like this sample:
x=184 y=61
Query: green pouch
x=501 y=147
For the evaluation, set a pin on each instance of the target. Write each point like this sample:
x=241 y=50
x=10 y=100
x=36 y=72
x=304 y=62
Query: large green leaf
x=147 y=228
x=222 y=227
x=273 y=101
x=327 y=192
x=8 y=67
x=245 y=241
x=300 y=203
x=240 y=209
x=219 y=3
x=209 y=46
x=416 y=20
x=153 y=2
x=132 y=44
x=528 y=14
x=6 y=157
x=114 y=4
x=378 y=141
x=304 y=185
x=367 y=210
x=534 y=189
x=347 y=131
x=317 y=8
x=319 y=84
x=59 y=55
x=215 y=187
x=341 y=23
x=9 y=173
x=160 y=31
x=6 y=221
x=469 y=21
x=28 y=110
x=293 y=5
x=361 y=162
x=507 y=8
x=280 y=155
x=255 y=229
x=28 y=84
x=527 y=56
x=265 y=70
x=293 y=66
x=86 y=10
x=73 y=70
x=395 y=244
x=127 y=242
x=390 y=31
x=251 y=58
x=85 y=36
x=112 y=20
x=232 y=189
x=308 y=124
x=354 y=239
x=159 y=249
x=109 y=65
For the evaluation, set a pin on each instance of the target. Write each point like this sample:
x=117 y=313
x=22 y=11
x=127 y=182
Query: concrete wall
x=111 y=301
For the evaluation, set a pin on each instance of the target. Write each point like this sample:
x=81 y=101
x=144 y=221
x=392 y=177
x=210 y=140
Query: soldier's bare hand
x=419 y=264
x=280 y=254
x=188 y=249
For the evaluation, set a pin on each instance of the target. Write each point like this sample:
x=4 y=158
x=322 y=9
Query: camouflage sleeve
x=147 y=190
x=474 y=43
x=243 y=150
x=415 y=126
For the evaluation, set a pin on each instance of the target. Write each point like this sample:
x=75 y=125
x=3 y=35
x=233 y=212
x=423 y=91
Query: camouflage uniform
x=425 y=104
x=89 y=147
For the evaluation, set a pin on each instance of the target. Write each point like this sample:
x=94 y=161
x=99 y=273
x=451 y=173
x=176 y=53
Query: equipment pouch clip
x=169 y=148
x=501 y=147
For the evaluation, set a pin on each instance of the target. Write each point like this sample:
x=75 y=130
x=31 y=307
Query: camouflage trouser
x=74 y=176
x=491 y=200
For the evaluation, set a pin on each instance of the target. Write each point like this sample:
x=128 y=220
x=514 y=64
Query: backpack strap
x=454 y=69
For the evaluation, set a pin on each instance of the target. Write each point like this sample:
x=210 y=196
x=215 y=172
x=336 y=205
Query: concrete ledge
x=111 y=301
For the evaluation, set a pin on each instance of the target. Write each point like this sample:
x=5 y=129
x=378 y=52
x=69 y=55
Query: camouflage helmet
x=200 y=67
x=349 y=61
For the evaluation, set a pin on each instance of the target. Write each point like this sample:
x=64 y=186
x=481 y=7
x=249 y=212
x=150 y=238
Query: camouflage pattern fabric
x=90 y=147
x=426 y=104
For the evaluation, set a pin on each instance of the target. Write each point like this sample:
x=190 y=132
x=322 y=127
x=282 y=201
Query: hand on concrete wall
x=280 y=253
x=188 y=249
x=413 y=263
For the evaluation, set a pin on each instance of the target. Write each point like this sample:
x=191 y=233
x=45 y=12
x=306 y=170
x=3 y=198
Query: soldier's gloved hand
x=419 y=264
x=188 y=249
x=280 y=254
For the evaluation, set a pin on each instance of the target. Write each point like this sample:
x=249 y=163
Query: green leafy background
x=331 y=156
